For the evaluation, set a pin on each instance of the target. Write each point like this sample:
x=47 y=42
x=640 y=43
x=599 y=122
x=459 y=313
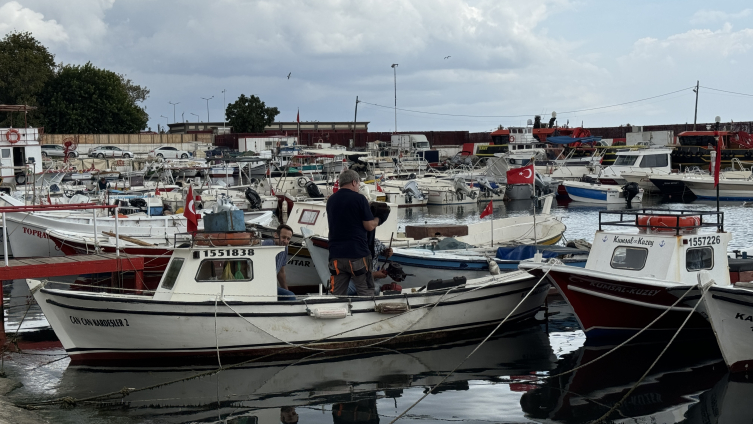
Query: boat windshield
x=225 y=270
x=625 y=160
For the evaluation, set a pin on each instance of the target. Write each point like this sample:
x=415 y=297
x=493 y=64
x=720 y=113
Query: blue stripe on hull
x=587 y=193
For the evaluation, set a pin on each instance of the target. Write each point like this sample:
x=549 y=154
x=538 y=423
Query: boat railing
x=218 y=239
x=630 y=218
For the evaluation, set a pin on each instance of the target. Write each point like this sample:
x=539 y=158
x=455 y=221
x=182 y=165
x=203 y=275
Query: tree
x=250 y=114
x=88 y=100
x=25 y=67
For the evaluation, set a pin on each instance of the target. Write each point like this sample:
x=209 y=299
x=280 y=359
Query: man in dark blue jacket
x=350 y=220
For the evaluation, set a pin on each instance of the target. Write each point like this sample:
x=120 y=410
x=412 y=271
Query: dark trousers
x=344 y=269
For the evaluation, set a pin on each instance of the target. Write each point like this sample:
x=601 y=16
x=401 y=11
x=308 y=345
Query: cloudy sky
x=507 y=60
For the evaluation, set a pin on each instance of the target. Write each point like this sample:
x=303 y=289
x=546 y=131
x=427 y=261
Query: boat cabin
x=210 y=264
x=313 y=215
x=667 y=245
x=20 y=154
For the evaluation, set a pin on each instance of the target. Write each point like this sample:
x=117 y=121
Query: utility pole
x=394 y=70
x=695 y=115
x=224 y=108
x=355 y=119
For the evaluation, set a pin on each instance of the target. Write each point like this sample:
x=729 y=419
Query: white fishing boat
x=729 y=308
x=446 y=192
x=637 y=166
x=729 y=189
x=223 y=301
x=589 y=192
x=409 y=195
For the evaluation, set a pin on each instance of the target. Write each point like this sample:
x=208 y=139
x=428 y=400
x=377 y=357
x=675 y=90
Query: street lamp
x=197 y=116
x=174 y=109
x=166 y=124
x=208 y=99
x=394 y=71
x=224 y=105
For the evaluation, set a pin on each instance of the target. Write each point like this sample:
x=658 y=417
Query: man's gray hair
x=348 y=177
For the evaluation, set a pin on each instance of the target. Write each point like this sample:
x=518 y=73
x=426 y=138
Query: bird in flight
x=447 y=57
x=289 y=75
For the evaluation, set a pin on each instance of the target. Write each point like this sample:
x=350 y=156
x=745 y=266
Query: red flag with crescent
x=522 y=175
x=488 y=210
x=189 y=212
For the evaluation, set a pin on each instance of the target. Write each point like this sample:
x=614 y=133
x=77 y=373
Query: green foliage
x=25 y=67
x=250 y=114
x=89 y=100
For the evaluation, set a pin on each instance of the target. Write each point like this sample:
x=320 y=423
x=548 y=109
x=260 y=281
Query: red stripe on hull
x=600 y=314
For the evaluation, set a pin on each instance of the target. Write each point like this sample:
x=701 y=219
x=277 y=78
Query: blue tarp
x=562 y=139
x=519 y=253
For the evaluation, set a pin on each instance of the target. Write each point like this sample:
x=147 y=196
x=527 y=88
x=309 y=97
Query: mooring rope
x=645 y=374
x=430 y=391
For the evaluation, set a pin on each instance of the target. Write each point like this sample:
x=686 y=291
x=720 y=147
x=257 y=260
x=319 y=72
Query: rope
x=474 y=350
x=645 y=374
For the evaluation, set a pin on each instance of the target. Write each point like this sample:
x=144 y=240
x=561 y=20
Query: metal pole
x=117 y=232
x=394 y=71
x=94 y=217
x=355 y=119
x=695 y=116
x=5 y=242
x=224 y=117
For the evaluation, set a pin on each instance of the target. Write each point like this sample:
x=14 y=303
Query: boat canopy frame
x=629 y=218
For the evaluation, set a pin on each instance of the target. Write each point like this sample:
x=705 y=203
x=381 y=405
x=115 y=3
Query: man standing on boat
x=350 y=220
x=282 y=236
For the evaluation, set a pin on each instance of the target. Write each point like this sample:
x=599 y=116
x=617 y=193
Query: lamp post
x=163 y=116
x=717 y=162
x=224 y=106
x=197 y=116
x=174 y=109
x=394 y=72
x=183 y=117
x=208 y=99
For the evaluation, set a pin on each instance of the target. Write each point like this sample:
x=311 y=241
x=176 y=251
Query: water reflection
x=352 y=383
x=665 y=395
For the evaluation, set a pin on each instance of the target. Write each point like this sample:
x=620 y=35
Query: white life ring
x=318 y=146
x=15 y=139
x=512 y=138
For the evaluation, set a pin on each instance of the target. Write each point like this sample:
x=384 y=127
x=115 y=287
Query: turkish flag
x=336 y=186
x=488 y=210
x=522 y=175
x=718 y=162
x=156 y=190
x=379 y=188
x=298 y=116
x=189 y=212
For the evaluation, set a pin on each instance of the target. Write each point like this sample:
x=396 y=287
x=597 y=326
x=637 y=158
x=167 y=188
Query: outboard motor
x=630 y=190
x=254 y=200
x=137 y=203
x=313 y=190
x=461 y=187
x=486 y=186
x=411 y=192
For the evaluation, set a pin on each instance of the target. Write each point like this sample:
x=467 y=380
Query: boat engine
x=254 y=200
x=630 y=190
x=462 y=189
x=411 y=191
x=313 y=190
x=487 y=188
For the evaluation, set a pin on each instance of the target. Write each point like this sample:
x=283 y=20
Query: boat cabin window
x=652 y=161
x=625 y=160
x=168 y=281
x=6 y=153
x=633 y=258
x=698 y=258
x=225 y=270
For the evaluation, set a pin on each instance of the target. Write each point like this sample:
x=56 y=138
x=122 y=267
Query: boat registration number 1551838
x=220 y=253
x=705 y=241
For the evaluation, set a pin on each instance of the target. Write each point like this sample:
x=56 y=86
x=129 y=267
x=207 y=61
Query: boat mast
x=695 y=115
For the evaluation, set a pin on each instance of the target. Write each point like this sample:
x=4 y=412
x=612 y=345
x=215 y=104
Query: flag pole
x=492 y=222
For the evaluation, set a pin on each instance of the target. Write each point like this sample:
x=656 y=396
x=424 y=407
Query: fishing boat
x=730 y=311
x=592 y=192
x=633 y=273
x=219 y=297
x=729 y=189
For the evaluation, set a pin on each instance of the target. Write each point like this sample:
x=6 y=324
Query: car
x=167 y=152
x=109 y=152
x=217 y=151
x=56 y=151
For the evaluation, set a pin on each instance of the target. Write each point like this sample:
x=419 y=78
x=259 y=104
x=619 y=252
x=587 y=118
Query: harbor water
x=519 y=375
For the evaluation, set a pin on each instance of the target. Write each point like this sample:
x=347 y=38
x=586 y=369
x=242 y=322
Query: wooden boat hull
x=100 y=327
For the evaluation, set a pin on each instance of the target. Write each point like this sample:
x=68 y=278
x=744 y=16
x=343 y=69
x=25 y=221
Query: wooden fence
x=128 y=138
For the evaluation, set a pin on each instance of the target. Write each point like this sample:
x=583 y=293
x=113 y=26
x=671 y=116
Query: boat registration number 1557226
x=220 y=253
x=704 y=241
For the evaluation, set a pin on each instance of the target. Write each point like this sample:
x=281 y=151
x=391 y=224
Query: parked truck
x=412 y=142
